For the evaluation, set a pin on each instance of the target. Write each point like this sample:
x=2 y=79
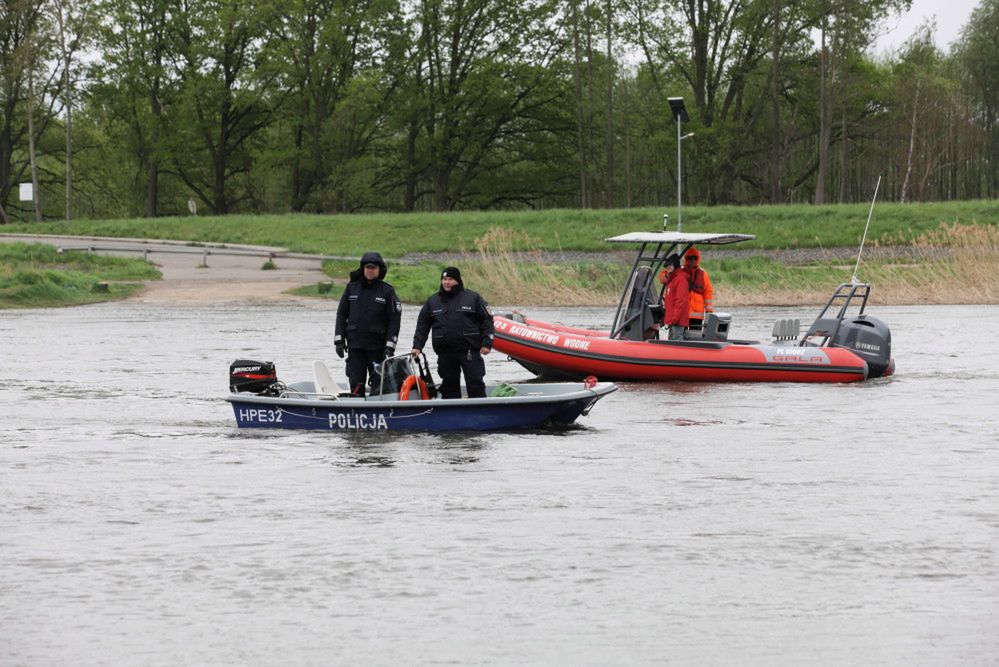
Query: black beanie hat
x=674 y=261
x=452 y=272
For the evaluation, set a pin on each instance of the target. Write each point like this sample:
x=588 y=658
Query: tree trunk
x=776 y=160
x=298 y=184
x=820 y=177
x=152 y=161
x=627 y=168
x=219 y=202
x=67 y=61
x=912 y=148
x=441 y=200
x=610 y=111
x=409 y=201
x=844 y=175
x=578 y=76
x=588 y=34
x=35 y=193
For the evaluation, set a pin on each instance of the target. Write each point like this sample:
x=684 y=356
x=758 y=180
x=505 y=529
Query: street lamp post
x=679 y=112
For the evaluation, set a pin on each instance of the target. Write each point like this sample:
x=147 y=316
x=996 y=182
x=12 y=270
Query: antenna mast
x=866 y=227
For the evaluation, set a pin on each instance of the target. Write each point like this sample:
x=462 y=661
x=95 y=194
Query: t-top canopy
x=680 y=237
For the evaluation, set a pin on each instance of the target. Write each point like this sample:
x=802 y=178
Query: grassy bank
x=37 y=275
x=395 y=235
x=951 y=250
x=955 y=264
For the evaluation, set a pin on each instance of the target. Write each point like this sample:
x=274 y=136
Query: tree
x=329 y=53
x=227 y=96
x=846 y=28
x=714 y=46
x=24 y=48
x=483 y=83
x=134 y=80
x=73 y=19
x=977 y=56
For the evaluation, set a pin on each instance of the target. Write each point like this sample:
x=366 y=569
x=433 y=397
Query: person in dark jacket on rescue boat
x=367 y=320
x=462 y=328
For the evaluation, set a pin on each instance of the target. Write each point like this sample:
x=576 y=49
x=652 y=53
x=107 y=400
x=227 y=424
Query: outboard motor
x=870 y=339
x=255 y=377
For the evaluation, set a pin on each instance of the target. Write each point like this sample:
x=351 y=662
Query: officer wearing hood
x=367 y=320
x=462 y=329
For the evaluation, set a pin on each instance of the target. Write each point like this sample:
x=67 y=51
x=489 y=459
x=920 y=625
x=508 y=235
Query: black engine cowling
x=870 y=339
x=251 y=376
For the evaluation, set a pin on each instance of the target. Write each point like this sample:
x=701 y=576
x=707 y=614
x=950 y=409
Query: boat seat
x=715 y=327
x=787 y=329
x=324 y=381
x=824 y=326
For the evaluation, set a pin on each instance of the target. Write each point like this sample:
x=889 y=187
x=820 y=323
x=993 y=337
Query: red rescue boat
x=843 y=344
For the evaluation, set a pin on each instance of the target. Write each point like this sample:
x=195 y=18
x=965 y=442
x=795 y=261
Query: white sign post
x=27 y=192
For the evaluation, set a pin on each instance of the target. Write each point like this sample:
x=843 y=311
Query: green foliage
x=334 y=106
x=414 y=283
x=38 y=275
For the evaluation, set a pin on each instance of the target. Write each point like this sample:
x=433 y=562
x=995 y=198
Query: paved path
x=233 y=272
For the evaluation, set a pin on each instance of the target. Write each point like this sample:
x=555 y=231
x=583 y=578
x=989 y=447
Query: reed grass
x=528 y=279
x=954 y=264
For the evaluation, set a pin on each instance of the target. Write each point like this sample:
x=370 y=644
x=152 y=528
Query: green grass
x=37 y=275
x=495 y=242
x=395 y=235
x=414 y=283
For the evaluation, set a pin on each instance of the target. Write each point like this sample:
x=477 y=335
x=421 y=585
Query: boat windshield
x=638 y=296
x=394 y=371
x=635 y=314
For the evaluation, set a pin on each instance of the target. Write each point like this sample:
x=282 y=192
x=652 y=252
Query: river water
x=680 y=524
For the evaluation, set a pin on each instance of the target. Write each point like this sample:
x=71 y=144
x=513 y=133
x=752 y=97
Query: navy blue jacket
x=369 y=313
x=459 y=320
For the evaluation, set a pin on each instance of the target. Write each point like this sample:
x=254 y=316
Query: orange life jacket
x=702 y=294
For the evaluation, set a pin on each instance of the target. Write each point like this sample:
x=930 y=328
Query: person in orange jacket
x=702 y=294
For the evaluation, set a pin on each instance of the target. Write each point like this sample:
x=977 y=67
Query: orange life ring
x=408 y=384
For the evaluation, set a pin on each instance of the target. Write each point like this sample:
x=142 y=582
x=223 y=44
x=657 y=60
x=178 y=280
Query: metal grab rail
x=201 y=250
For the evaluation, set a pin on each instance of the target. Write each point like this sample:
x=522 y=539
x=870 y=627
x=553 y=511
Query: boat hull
x=298 y=410
x=563 y=352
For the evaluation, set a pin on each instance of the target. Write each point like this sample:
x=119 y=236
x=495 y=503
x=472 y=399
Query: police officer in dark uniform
x=367 y=320
x=462 y=328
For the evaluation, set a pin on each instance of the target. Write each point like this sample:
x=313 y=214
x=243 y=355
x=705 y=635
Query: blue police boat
x=402 y=397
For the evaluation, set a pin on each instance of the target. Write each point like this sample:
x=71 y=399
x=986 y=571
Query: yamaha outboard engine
x=870 y=339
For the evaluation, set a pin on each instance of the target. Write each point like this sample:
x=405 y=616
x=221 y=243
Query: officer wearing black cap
x=367 y=320
x=462 y=331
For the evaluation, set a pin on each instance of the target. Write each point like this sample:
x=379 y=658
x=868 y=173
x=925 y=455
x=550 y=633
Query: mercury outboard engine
x=256 y=377
x=870 y=339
